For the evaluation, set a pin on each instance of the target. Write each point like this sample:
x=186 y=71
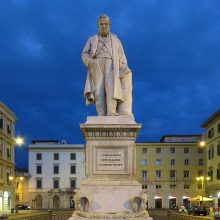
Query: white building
x=56 y=170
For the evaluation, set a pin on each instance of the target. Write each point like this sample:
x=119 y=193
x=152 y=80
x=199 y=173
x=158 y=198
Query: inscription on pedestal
x=110 y=159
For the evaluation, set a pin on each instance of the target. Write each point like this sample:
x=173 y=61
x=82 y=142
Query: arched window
x=56 y=202
x=39 y=202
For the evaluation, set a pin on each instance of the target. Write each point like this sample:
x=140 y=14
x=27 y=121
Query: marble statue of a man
x=109 y=80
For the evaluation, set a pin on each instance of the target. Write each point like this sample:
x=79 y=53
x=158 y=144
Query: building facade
x=212 y=126
x=7 y=164
x=57 y=170
x=168 y=169
x=22 y=186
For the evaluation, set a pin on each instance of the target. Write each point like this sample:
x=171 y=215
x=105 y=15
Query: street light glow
x=19 y=141
x=202 y=143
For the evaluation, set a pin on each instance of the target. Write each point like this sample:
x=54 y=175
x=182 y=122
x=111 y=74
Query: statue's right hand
x=92 y=63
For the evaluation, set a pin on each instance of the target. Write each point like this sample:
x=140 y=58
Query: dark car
x=22 y=207
x=198 y=210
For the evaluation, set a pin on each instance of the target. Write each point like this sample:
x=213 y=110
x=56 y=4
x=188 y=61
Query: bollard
x=50 y=215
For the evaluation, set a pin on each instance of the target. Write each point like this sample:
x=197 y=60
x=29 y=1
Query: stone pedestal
x=110 y=190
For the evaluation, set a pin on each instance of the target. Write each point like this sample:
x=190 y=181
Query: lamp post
x=203 y=179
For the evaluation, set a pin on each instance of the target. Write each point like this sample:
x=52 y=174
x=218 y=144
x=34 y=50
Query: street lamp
x=19 y=141
x=202 y=179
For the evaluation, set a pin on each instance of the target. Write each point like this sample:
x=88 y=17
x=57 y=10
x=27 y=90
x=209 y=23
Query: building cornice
x=7 y=111
x=210 y=119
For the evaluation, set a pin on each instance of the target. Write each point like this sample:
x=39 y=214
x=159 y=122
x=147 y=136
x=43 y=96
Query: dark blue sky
x=172 y=47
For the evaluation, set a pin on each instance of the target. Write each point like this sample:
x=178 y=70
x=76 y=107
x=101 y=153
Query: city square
x=109 y=113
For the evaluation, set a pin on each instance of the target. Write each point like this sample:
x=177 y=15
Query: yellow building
x=168 y=169
x=7 y=164
x=22 y=186
x=212 y=126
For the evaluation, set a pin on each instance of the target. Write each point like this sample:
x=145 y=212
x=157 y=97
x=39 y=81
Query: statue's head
x=104 y=24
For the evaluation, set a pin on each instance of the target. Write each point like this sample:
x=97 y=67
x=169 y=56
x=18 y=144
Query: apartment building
x=212 y=127
x=168 y=169
x=7 y=164
x=57 y=169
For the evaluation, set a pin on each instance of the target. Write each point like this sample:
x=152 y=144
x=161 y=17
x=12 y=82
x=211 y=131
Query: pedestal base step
x=143 y=215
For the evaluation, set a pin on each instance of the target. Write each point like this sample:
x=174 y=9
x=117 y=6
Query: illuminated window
x=144 y=162
x=158 y=162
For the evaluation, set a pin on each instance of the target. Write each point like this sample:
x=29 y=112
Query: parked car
x=198 y=210
x=22 y=207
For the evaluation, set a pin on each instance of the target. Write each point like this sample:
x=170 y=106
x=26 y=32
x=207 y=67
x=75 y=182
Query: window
x=55 y=183
x=199 y=186
x=144 y=150
x=201 y=162
x=7 y=177
x=211 y=133
x=1 y=146
x=186 y=161
x=158 y=150
x=186 y=186
x=39 y=169
x=172 y=175
x=172 y=162
x=172 y=150
x=9 y=127
x=186 y=174
x=8 y=152
x=144 y=162
x=144 y=175
x=56 y=156
x=218 y=149
x=158 y=174
x=210 y=174
x=56 y=169
x=211 y=152
x=72 y=156
x=158 y=186
x=218 y=174
x=73 y=169
x=144 y=186
x=200 y=150
x=72 y=183
x=158 y=162
x=200 y=172
x=186 y=150
x=38 y=156
x=38 y=183
x=1 y=121
x=172 y=186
